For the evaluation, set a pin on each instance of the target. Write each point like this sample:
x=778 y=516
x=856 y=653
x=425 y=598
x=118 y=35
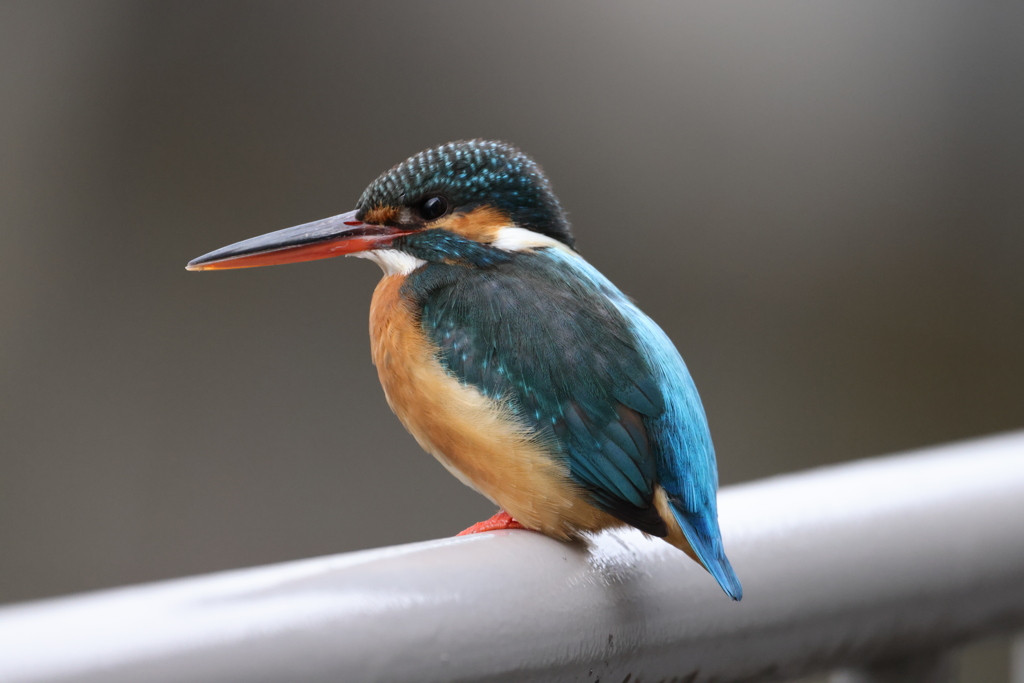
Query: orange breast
x=479 y=440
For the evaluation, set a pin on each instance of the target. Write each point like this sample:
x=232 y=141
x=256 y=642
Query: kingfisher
x=512 y=360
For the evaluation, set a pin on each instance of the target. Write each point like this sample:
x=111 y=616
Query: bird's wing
x=686 y=457
x=563 y=356
x=585 y=367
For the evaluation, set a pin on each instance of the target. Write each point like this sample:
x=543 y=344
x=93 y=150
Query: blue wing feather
x=564 y=359
x=583 y=366
x=686 y=456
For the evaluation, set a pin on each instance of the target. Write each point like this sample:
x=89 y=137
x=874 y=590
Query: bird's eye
x=433 y=207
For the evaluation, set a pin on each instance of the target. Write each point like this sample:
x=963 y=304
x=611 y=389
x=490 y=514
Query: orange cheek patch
x=381 y=215
x=480 y=225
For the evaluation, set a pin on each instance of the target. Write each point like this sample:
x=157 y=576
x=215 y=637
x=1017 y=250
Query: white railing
x=885 y=560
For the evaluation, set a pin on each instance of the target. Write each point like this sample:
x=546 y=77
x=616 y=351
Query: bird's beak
x=336 y=236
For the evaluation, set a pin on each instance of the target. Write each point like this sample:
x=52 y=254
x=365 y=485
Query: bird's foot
x=500 y=521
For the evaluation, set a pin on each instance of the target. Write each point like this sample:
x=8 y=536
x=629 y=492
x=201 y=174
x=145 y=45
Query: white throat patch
x=391 y=261
x=509 y=238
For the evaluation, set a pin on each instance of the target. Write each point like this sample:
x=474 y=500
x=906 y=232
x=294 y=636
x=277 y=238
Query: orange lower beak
x=336 y=236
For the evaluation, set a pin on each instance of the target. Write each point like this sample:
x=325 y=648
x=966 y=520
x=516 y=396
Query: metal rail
x=877 y=561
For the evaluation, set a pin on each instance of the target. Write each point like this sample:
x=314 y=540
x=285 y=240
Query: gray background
x=820 y=202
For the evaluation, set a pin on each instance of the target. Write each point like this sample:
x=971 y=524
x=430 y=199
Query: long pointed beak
x=336 y=236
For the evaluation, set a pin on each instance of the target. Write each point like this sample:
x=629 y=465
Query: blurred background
x=820 y=202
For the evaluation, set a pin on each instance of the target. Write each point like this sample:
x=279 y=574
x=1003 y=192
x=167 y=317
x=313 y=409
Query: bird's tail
x=706 y=541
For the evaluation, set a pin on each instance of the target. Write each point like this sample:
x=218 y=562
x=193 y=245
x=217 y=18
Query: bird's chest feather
x=478 y=439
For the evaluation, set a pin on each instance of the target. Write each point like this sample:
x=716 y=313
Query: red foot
x=502 y=520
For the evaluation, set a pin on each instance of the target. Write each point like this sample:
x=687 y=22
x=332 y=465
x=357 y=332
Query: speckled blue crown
x=472 y=173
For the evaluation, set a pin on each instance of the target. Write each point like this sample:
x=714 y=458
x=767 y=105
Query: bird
x=512 y=360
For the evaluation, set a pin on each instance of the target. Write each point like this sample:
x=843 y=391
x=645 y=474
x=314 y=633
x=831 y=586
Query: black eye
x=433 y=207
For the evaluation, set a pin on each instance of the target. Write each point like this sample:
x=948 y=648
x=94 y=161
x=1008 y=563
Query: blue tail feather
x=676 y=428
x=707 y=544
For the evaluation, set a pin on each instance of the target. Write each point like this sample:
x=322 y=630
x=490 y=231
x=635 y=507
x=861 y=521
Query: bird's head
x=457 y=202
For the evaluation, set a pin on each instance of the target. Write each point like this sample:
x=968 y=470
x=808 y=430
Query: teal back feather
x=586 y=369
